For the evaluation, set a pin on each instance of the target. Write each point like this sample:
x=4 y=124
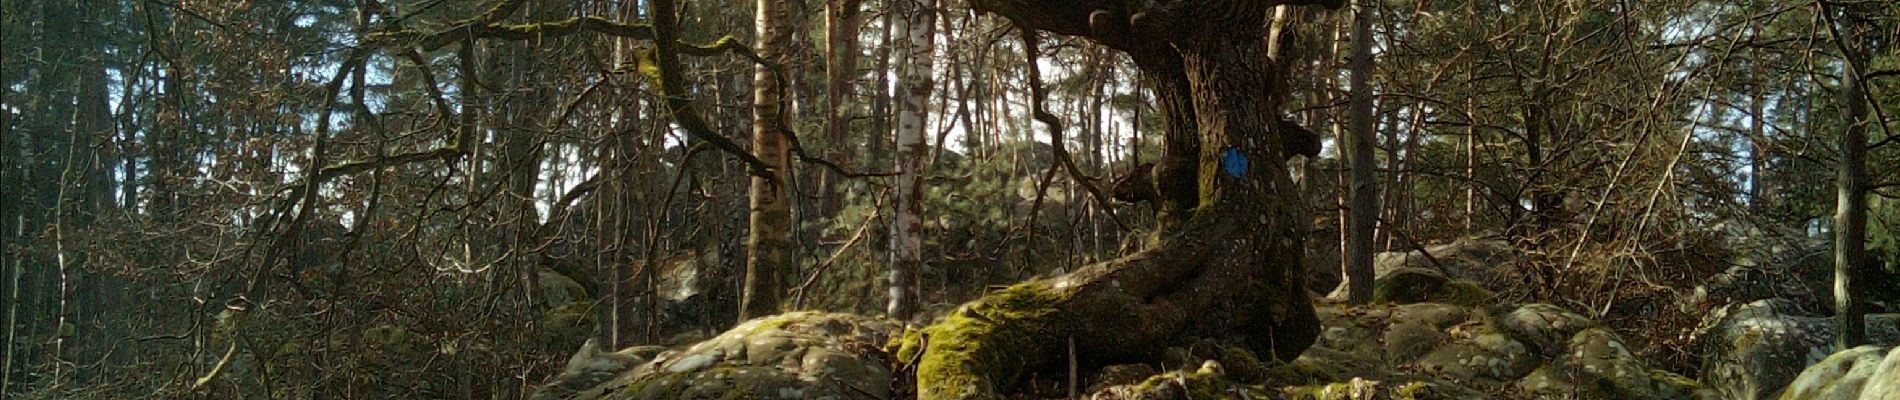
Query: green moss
x=1415 y=390
x=1205 y=383
x=1242 y=364
x=1423 y=291
x=687 y=384
x=781 y=321
x=904 y=345
x=1296 y=373
x=1330 y=391
x=1672 y=384
x=983 y=348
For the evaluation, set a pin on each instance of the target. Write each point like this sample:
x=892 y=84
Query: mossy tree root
x=1123 y=310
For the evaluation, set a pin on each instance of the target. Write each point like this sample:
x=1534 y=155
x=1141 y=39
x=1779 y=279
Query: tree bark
x=768 y=243
x=1850 y=212
x=843 y=21
x=1234 y=260
x=913 y=21
x=1757 y=143
x=1363 y=206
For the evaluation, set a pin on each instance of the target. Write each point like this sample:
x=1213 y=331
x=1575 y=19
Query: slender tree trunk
x=11 y=223
x=1471 y=157
x=843 y=21
x=1399 y=196
x=1363 y=207
x=1537 y=127
x=95 y=117
x=914 y=21
x=1385 y=219
x=1757 y=144
x=1850 y=213
x=769 y=239
x=874 y=146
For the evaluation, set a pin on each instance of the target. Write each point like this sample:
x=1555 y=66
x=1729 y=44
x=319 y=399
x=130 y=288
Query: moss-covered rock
x=1354 y=329
x=1866 y=372
x=978 y=350
x=1546 y=328
x=1120 y=374
x=1467 y=258
x=1752 y=351
x=1209 y=382
x=1479 y=353
x=789 y=356
x=1597 y=365
x=1420 y=285
x=556 y=289
x=1363 y=389
x=1436 y=350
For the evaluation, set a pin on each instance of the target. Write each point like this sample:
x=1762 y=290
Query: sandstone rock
x=796 y=355
x=1598 y=365
x=1479 y=353
x=1752 y=351
x=1840 y=376
x=1884 y=383
x=1209 y=382
x=1435 y=350
x=1419 y=285
x=1546 y=328
x=1471 y=259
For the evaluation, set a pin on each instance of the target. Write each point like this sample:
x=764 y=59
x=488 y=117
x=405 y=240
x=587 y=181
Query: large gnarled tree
x=1229 y=253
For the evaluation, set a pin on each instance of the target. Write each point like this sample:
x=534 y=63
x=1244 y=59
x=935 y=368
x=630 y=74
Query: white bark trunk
x=768 y=242
x=914 y=22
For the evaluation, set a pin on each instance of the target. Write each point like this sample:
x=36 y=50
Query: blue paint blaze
x=1233 y=162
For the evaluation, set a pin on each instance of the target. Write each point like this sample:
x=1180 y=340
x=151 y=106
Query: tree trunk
x=768 y=243
x=95 y=116
x=11 y=221
x=1363 y=207
x=1850 y=212
x=843 y=21
x=1757 y=144
x=1235 y=260
x=1471 y=157
x=914 y=22
x=874 y=146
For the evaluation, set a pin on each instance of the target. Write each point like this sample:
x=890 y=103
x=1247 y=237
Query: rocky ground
x=1433 y=332
x=1406 y=349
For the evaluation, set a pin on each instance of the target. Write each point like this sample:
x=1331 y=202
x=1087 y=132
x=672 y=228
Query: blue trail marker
x=1233 y=162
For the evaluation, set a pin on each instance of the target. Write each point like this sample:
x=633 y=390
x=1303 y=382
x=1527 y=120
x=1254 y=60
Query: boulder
x=1481 y=260
x=1840 y=376
x=1479 y=353
x=1546 y=328
x=788 y=356
x=1468 y=258
x=557 y=290
x=1209 y=382
x=1598 y=365
x=1884 y=383
x=1420 y=285
x=1752 y=351
x=590 y=367
x=1453 y=351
